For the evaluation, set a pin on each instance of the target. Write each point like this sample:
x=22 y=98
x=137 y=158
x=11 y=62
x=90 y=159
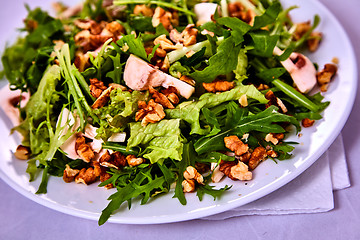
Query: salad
x=153 y=97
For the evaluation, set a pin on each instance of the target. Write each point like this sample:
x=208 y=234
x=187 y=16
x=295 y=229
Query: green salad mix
x=151 y=97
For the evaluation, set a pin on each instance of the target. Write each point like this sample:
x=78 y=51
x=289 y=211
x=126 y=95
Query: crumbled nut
x=114 y=160
x=243 y=100
x=160 y=52
x=236 y=145
x=241 y=172
x=69 y=174
x=301 y=29
x=81 y=60
x=96 y=87
x=273 y=100
x=143 y=10
x=165 y=64
x=262 y=87
x=164 y=17
x=134 y=161
x=324 y=76
x=189 y=35
x=218 y=86
x=192 y=173
x=22 y=152
x=165 y=43
x=103 y=98
x=149 y=113
x=115 y=28
x=236 y=9
x=306 y=122
x=87 y=24
x=105 y=176
x=188 y=185
x=270 y=138
x=188 y=80
x=83 y=149
x=271 y=153
x=82 y=39
x=225 y=167
x=97 y=168
x=202 y=167
x=335 y=60
x=86 y=176
x=160 y=98
x=175 y=36
x=172 y=94
x=258 y=155
x=314 y=41
x=245 y=157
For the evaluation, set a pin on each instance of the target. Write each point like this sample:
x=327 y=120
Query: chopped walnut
x=22 y=152
x=301 y=29
x=245 y=157
x=324 y=76
x=270 y=137
x=188 y=80
x=115 y=28
x=96 y=87
x=306 y=122
x=188 y=185
x=262 y=87
x=258 y=155
x=103 y=98
x=166 y=18
x=69 y=174
x=86 y=176
x=192 y=173
x=81 y=60
x=314 y=41
x=114 y=160
x=172 y=94
x=134 y=161
x=149 y=113
x=225 y=167
x=160 y=98
x=105 y=176
x=189 y=35
x=271 y=153
x=236 y=145
x=218 y=86
x=236 y=9
x=241 y=172
x=87 y=24
x=83 y=149
x=165 y=44
x=273 y=100
x=143 y=10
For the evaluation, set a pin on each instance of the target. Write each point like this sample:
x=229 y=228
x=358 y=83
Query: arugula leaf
x=268 y=17
x=263 y=43
x=207 y=189
x=134 y=45
x=262 y=122
x=116 y=73
x=238 y=27
x=223 y=62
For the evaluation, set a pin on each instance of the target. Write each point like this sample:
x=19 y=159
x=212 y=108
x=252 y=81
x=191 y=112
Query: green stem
x=44 y=181
x=159 y=3
x=298 y=97
x=120 y=148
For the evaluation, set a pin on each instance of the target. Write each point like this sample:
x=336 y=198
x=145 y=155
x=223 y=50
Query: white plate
x=88 y=201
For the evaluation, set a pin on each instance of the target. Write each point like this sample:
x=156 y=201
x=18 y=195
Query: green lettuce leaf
x=189 y=111
x=160 y=140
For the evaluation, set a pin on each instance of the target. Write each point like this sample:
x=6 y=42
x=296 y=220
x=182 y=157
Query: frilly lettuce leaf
x=189 y=111
x=160 y=140
x=115 y=116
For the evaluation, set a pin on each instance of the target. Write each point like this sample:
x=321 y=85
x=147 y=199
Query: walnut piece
x=143 y=10
x=160 y=98
x=314 y=41
x=274 y=138
x=96 y=87
x=164 y=17
x=241 y=172
x=218 y=86
x=149 y=113
x=83 y=149
x=306 y=122
x=133 y=161
x=103 y=98
x=258 y=155
x=192 y=173
x=324 y=76
x=236 y=9
x=69 y=174
x=273 y=100
x=86 y=176
x=188 y=185
x=22 y=152
x=236 y=145
x=115 y=160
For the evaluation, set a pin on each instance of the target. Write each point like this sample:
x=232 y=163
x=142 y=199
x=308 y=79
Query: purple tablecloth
x=22 y=218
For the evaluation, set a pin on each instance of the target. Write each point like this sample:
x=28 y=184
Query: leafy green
x=207 y=189
x=189 y=111
x=223 y=62
x=160 y=140
x=238 y=27
x=134 y=45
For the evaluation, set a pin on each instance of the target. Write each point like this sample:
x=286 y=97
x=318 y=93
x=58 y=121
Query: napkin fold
x=311 y=192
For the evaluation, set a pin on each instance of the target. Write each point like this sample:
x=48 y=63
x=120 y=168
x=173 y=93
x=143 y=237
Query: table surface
x=22 y=218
